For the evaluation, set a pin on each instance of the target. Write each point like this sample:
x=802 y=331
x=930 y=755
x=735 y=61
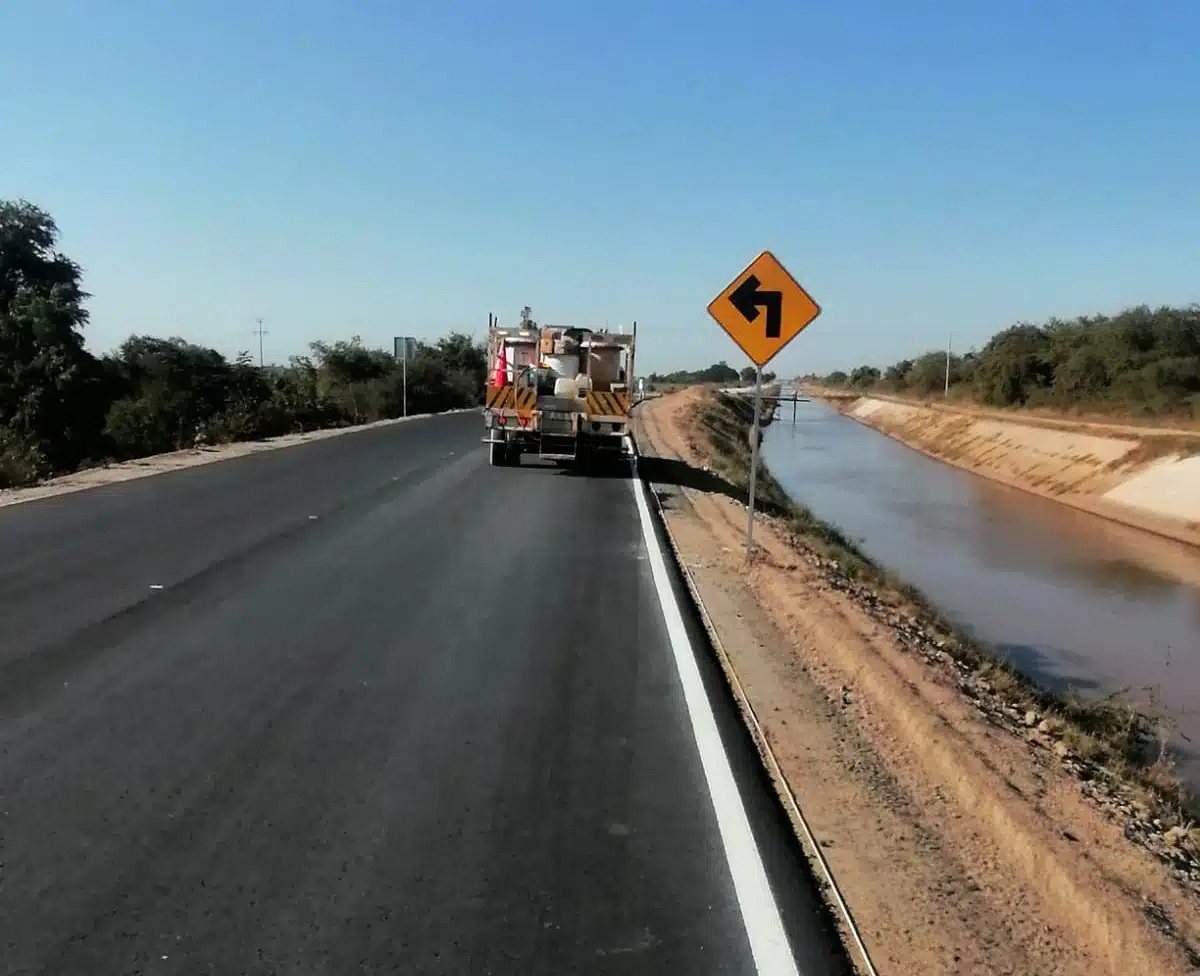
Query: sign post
x=755 y=437
x=404 y=348
x=766 y=285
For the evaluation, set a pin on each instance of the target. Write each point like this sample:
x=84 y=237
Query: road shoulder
x=958 y=847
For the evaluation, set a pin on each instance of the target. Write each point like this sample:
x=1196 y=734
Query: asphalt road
x=365 y=705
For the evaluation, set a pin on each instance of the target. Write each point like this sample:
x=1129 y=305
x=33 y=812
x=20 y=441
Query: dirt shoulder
x=178 y=460
x=958 y=833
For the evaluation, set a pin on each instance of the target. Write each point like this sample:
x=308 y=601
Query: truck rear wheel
x=497 y=454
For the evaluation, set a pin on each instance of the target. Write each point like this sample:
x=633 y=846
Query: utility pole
x=260 y=332
x=949 y=340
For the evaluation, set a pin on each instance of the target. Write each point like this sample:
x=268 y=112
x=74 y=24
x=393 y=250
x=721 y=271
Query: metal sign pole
x=404 y=381
x=765 y=286
x=754 y=437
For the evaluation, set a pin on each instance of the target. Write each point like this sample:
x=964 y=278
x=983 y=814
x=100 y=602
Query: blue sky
x=386 y=168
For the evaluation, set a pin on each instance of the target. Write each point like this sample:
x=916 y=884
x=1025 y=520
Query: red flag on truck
x=501 y=377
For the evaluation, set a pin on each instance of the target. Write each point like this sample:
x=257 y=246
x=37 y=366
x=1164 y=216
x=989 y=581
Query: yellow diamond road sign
x=763 y=309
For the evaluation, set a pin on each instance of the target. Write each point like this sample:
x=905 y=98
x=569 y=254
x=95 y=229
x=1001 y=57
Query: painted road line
x=760 y=914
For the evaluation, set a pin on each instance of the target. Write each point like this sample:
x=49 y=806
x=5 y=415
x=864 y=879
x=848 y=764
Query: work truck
x=560 y=393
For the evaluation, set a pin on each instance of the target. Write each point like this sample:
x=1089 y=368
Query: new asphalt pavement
x=369 y=705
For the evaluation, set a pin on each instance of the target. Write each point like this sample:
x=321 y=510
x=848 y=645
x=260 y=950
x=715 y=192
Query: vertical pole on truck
x=488 y=356
x=631 y=366
x=754 y=434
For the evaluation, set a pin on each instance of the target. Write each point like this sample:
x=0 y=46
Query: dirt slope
x=959 y=846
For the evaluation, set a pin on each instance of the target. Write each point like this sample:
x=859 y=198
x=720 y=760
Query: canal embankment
x=1145 y=477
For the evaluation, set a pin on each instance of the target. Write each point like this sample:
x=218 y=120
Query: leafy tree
x=49 y=384
x=720 y=372
x=61 y=407
x=1016 y=365
x=927 y=373
x=1141 y=360
x=896 y=375
x=864 y=377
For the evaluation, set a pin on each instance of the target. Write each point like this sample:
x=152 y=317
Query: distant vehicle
x=558 y=392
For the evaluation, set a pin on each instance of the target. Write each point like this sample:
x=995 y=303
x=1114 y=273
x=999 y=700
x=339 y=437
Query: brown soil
x=960 y=847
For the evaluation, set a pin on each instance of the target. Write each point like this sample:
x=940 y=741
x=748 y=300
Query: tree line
x=63 y=408
x=1141 y=361
x=720 y=372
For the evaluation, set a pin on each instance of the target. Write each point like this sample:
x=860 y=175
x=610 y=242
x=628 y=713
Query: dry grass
x=1160 y=446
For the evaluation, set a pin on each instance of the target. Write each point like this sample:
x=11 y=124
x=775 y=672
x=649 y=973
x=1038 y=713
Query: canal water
x=1075 y=601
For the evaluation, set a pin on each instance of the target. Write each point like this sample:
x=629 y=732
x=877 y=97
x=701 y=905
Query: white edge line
x=809 y=840
x=760 y=914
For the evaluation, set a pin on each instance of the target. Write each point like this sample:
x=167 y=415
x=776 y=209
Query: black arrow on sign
x=747 y=298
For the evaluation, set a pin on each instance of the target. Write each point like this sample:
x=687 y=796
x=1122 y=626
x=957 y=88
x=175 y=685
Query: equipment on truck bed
x=559 y=392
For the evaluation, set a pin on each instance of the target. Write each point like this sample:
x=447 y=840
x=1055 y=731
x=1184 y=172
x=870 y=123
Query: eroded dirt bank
x=957 y=825
x=1145 y=477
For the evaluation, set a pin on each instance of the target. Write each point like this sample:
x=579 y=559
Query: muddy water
x=1075 y=601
